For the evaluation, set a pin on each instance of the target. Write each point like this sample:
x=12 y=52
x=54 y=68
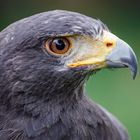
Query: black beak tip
x=134 y=71
x=132 y=64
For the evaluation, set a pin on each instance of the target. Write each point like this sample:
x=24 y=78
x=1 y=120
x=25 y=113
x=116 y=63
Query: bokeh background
x=113 y=89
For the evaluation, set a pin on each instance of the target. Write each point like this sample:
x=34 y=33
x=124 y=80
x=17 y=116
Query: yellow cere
x=95 y=51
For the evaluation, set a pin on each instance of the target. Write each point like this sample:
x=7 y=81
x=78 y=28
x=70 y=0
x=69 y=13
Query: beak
x=122 y=56
x=109 y=52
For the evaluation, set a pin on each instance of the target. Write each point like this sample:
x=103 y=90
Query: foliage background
x=113 y=89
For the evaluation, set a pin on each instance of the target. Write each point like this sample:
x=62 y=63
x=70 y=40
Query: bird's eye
x=57 y=46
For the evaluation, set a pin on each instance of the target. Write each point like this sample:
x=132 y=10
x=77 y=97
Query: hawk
x=45 y=61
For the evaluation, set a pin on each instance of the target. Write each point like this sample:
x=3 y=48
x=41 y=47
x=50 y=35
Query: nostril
x=109 y=44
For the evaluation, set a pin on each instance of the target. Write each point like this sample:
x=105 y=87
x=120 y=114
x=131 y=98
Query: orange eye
x=57 y=46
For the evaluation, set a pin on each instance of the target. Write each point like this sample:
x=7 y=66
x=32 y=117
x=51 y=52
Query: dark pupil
x=60 y=44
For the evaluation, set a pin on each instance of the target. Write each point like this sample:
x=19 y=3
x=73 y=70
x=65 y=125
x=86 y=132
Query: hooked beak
x=122 y=56
x=112 y=52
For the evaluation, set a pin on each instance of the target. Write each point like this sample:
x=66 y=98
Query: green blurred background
x=113 y=89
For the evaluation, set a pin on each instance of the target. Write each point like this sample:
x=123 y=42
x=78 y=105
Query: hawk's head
x=52 y=53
